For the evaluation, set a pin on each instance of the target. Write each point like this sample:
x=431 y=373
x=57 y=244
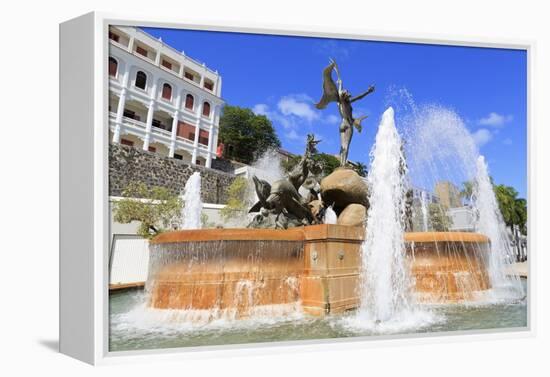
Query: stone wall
x=128 y=164
x=227 y=166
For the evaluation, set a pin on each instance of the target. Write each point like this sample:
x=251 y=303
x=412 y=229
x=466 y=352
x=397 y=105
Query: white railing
x=179 y=54
x=120 y=45
x=183 y=141
x=133 y=122
x=138 y=128
x=146 y=58
x=161 y=131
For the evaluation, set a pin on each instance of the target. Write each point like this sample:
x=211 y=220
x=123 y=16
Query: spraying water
x=424 y=209
x=192 y=207
x=268 y=166
x=491 y=223
x=440 y=148
x=386 y=282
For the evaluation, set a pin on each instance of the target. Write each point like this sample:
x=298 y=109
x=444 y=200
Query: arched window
x=206 y=109
x=189 y=102
x=167 y=92
x=141 y=80
x=113 y=66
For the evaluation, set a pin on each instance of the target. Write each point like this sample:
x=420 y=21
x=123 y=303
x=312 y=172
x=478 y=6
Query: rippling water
x=135 y=327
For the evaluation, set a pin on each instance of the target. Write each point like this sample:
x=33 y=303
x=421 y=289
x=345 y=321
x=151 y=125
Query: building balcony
x=138 y=129
x=189 y=115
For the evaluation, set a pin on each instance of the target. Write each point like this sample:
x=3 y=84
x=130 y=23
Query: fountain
x=335 y=245
x=192 y=204
x=442 y=149
x=386 y=283
x=228 y=273
x=424 y=210
x=336 y=267
x=490 y=222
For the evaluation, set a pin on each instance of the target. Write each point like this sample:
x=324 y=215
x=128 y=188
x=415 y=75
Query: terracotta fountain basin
x=318 y=266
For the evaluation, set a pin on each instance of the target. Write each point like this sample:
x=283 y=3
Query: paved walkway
x=520 y=269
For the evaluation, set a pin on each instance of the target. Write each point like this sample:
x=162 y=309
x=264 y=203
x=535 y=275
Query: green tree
x=513 y=209
x=327 y=161
x=156 y=208
x=521 y=211
x=439 y=220
x=360 y=169
x=236 y=205
x=246 y=134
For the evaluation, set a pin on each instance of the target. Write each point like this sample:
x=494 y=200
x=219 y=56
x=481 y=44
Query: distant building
x=448 y=194
x=421 y=195
x=285 y=155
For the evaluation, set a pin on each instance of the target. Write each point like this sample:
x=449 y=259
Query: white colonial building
x=161 y=100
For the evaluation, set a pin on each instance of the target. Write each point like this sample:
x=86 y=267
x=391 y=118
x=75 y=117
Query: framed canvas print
x=224 y=187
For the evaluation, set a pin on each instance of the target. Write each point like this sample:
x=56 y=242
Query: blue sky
x=280 y=76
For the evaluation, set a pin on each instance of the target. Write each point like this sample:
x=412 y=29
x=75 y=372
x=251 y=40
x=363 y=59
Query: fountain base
x=317 y=266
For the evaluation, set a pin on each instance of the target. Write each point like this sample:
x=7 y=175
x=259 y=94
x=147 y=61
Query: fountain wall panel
x=332 y=260
x=448 y=267
x=223 y=274
x=316 y=266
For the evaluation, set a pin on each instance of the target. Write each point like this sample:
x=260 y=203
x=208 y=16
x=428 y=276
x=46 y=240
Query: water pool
x=133 y=326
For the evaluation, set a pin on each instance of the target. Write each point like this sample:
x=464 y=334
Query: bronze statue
x=307 y=165
x=280 y=204
x=333 y=93
x=283 y=206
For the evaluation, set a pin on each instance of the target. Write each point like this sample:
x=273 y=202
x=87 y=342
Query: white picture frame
x=84 y=191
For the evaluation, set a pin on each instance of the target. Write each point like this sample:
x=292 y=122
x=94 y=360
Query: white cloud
x=332 y=119
x=274 y=116
x=293 y=135
x=286 y=122
x=495 y=120
x=482 y=136
x=297 y=106
x=297 y=116
x=260 y=109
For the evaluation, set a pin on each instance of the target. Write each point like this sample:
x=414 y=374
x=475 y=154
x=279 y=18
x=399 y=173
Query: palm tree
x=360 y=168
x=513 y=209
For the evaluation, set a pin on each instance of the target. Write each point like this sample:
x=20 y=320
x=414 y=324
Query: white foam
x=143 y=318
x=402 y=321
